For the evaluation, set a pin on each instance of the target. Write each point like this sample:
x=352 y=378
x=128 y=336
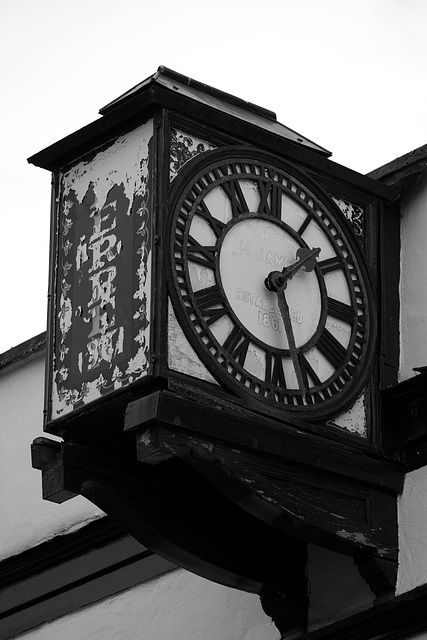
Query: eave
x=403 y=171
x=183 y=96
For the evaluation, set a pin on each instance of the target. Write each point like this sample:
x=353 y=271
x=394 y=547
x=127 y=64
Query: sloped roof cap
x=217 y=99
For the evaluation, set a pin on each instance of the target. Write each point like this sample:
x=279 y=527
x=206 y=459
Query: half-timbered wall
x=413 y=290
x=172 y=603
x=26 y=519
x=47 y=600
x=413 y=331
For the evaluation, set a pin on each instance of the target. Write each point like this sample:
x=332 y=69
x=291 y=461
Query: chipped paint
x=181 y=355
x=103 y=288
x=355 y=536
x=354 y=420
x=145 y=438
x=183 y=147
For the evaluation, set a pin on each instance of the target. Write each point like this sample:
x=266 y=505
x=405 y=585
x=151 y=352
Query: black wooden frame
x=174 y=420
x=78 y=569
x=171 y=108
x=178 y=276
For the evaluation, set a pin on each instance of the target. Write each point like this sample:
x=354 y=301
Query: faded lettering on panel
x=103 y=277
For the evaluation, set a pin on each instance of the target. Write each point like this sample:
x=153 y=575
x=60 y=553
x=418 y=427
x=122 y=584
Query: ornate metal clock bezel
x=225 y=361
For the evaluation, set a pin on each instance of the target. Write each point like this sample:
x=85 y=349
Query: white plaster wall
x=26 y=519
x=412 y=504
x=176 y=606
x=412 y=517
x=413 y=301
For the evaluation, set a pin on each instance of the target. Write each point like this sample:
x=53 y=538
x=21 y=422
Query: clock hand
x=284 y=310
x=277 y=281
x=307 y=260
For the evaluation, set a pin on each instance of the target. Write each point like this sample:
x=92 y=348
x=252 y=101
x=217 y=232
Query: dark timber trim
x=402 y=617
x=142 y=105
x=72 y=571
x=405 y=410
x=100 y=560
x=403 y=171
x=23 y=350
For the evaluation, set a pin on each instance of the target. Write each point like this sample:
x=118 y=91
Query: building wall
x=412 y=505
x=26 y=519
x=413 y=290
x=412 y=514
x=177 y=604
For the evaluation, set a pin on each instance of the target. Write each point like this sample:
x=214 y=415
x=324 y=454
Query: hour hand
x=306 y=259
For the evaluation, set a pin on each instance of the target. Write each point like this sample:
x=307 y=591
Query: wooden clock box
x=222 y=319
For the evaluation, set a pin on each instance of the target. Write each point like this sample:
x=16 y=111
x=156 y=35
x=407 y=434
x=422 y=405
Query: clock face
x=270 y=285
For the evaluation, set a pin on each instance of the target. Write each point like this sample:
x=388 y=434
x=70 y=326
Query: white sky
x=348 y=74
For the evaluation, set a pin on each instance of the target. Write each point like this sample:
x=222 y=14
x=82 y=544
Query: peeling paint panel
x=355 y=214
x=354 y=420
x=185 y=146
x=181 y=355
x=103 y=283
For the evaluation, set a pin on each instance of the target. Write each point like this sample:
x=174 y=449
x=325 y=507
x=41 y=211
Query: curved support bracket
x=235 y=497
x=331 y=497
x=176 y=513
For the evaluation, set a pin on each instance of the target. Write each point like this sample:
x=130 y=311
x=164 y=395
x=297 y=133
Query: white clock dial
x=250 y=250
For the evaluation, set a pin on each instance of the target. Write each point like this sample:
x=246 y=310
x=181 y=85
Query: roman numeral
x=211 y=303
x=237 y=344
x=205 y=256
x=216 y=225
x=234 y=193
x=307 y=370
x=305 y=224
x=333 y=350
x=270 y=199
x=341 y=311
x=331 y=264
x=274 y=373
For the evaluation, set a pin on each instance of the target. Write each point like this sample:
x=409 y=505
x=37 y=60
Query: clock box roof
x=177 y=92
x=226 y=114
x=220 y=100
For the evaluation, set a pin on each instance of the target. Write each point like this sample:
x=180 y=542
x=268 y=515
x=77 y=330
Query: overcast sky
x=348 y=74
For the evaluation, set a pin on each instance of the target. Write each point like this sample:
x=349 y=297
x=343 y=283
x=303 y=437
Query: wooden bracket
x=235 y=497
x=325 y=494
x=176 y=513
x=288 y=614
x=380 y=574
x=405 y=408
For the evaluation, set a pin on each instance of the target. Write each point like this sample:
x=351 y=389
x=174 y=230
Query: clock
x=270 y=284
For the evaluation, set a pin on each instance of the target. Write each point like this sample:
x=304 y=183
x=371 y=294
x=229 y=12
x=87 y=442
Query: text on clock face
x=261 y=254
x=269 y=309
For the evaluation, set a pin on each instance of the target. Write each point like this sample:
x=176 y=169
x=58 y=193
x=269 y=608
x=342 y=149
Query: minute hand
x=307 y=259
x=284 y=310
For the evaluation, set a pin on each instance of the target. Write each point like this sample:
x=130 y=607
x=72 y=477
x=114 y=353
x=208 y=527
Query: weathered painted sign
x=102 y=292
